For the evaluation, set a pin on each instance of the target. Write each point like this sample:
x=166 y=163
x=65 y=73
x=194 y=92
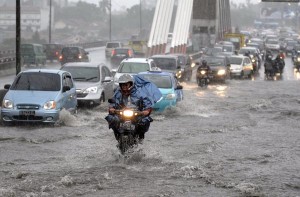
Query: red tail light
x=129 y=53
x=113 y=52
x=60 y=57
x=56 y=53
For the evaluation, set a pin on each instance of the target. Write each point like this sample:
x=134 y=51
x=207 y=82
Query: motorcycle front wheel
x=125 y=143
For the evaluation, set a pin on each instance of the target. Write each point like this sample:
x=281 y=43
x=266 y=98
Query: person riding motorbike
x=279 y=64
x=269 y=66
x=128 y=93
x=203 y=65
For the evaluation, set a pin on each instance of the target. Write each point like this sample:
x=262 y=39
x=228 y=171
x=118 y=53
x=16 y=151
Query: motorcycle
x=297 y=63
x=202 y=78
x=269 y=72
x=128 y=136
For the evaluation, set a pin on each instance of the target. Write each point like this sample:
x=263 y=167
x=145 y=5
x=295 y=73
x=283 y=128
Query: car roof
x=156 y=73
x=164 y=56
x=238 y=56
x=143 y=60
x=55 y=71
x=83 y=64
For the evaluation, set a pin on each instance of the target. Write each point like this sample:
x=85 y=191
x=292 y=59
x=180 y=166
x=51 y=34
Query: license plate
x=27 y=113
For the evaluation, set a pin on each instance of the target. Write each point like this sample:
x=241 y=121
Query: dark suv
x=53 y=51
x=73 y=54
x=118 y=54
x=219 y=66
x=171 y=63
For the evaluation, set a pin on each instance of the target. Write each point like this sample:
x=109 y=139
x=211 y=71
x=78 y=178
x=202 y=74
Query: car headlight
x=298 y=59
x=7 y=104
x=91 y=90
x=253 y=60
x=221 y=72
x=193 y=65
x=170 y=96
x=50 y=105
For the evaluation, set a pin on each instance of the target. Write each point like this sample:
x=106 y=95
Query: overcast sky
x=117 y=4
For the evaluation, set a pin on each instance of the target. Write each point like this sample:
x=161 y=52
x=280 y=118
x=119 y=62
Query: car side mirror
x=7 y=86
x=66 y=88
x=113 y=72
x=107 y=79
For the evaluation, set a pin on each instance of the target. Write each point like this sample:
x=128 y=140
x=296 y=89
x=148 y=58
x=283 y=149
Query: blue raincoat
x=144 y=90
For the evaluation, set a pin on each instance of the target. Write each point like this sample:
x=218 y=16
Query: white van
x=110 y=46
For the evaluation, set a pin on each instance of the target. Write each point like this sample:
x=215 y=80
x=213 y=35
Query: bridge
x=203 y=22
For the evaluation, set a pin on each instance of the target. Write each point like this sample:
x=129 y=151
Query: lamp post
x=18 y=36
x=50 y=17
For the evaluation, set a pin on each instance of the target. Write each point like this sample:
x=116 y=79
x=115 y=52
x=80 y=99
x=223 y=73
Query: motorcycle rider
x=279 y=64
x=128 y=93
x=269 y=66
x=203 y=66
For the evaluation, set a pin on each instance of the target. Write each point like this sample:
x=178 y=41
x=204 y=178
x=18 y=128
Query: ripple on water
x=260 y=104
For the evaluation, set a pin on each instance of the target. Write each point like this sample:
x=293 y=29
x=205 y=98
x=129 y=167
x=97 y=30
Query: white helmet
x=126 y=78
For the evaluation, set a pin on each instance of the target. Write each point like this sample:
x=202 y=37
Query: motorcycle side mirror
x=111 y=101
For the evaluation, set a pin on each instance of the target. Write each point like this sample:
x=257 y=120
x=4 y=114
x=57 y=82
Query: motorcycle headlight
x=50 y=105
x=91 y=90
x=253 y=60
x=202 y=72
x=221 y=72
x=170 y=96
x=128 y=113
x=193 y=65
x=8 y=104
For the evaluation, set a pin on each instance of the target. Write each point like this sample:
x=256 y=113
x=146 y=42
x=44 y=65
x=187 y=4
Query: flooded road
x=235 y=139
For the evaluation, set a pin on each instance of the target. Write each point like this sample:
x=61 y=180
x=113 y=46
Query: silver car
x=94 y=82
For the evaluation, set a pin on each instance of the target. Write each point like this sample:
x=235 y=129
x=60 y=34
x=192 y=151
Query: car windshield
x=165 y=63
x=235 y=60
x=121 y=51
x=112 y=45
x=227 y=48
x=27 y=49
x=272 y=42
x=161 y=81
x=70 y=51
x=133 y=67
x=37 y=81
x=213 y=61
x=84 y=73
x=245 y=50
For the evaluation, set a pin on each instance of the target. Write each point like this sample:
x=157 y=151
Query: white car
x=240 y=66
x=133 y=66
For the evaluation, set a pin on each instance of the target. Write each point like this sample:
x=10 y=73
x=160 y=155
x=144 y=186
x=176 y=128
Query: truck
x=237 y=39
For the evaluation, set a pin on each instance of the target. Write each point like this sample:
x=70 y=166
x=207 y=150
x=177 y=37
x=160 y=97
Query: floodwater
x=236 y=139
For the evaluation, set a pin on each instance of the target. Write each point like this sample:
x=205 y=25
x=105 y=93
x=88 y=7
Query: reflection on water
x=221 y=90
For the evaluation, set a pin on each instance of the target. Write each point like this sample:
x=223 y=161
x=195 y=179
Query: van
x=33 y=54
x=110 y=46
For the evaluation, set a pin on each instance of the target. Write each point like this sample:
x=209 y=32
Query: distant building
x=210 y=20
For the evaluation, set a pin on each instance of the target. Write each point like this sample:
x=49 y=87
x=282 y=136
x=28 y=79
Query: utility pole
x=140 y=17
x=109 y=20
x=50 y=18
x=18 y=36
